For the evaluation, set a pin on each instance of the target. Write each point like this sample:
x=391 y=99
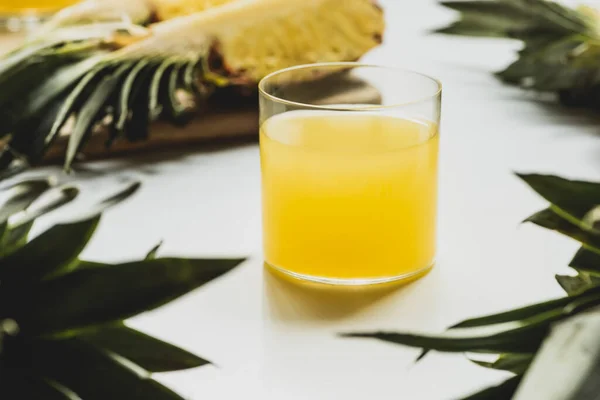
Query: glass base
x=21 y=22
x=404 y=278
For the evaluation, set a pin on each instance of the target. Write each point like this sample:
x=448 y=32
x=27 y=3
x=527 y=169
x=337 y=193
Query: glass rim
x=367 y=107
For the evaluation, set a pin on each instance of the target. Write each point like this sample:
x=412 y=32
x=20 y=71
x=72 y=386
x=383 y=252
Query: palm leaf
x=26 y=384
x=561 y=45
x=93 y=296
x=549 y=219
x=53 y=252
x=576 y=198
x=94 y=374
x=517 y=335
x=511 y=362
x=62 y=334
x=504 y=391
x=145 y=351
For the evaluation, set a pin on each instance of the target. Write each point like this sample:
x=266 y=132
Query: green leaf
x=22 y=195
x=487 y=18
x=91 y=264
x=515 y=315
x=51 y=89
x=504 y=391
x=525 y=338
x=15 y=235
x=576 y=198
x=513 y=18
x=515 y=363
x=161 y=71
x=152 y=253
x=507 y=342
x=24 y=384
x=52 y=252
x=586 y=260
x=131 y=85
x=575 y=285
x=149 y=353
x=551 y=220
x=75 y=97
x=15 y=238
x=176 y=111
x=94 y=374
x=65 y=195
x=93 y=296
x=92 y=111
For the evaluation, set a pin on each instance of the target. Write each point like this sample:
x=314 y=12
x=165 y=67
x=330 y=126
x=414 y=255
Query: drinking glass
x=26 y=15
x=349 y=161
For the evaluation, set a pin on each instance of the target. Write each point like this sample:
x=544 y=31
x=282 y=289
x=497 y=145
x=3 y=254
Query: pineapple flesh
x=256 y=37
x=168 y=9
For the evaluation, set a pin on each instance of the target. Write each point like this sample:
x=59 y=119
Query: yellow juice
x=349 y=196
x=18 y=6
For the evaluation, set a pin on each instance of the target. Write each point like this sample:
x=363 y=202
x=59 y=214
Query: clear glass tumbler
x=349 y=159
x=26 y=15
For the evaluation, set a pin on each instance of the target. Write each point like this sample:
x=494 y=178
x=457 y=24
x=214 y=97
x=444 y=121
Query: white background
x=273 y=340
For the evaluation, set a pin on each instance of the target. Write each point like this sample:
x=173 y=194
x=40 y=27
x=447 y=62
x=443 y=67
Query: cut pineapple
x=256 y=37
x=123 y=76
x=168 y=9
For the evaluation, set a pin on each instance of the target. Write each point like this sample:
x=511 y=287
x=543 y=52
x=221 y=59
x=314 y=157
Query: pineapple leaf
x=549 y=219
x=137 y=126
x=69 y=104
x=93 y=296
x=94 y=374
x=155 y=87
x=149 y=353
x=92 y=111
x=176 y=112
x=576 y=198
x=515 y=363
x=504 y=391
x=53 y=252
x=136 y=81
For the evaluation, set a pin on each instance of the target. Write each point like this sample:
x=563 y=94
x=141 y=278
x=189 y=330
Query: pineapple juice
x=18 y=6
x=349 y=196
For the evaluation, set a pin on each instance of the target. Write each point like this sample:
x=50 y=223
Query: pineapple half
x=122 y=79
x=256 y=37
x=168 y=9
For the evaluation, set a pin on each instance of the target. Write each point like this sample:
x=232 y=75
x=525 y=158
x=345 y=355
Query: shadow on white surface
x=289 y=299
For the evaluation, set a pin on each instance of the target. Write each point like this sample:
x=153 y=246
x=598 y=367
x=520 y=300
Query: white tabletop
x=273 y=340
